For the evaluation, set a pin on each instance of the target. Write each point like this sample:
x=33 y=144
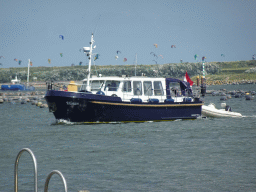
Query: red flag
x=187 y=79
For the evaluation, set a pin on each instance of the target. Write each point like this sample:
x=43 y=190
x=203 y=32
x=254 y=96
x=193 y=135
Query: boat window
x=111 y=85
x=96 y=85
x=137 y=87
x=158 y=88
x=175 y=89
x=147 y=85
x=83 y=87
x=127 y=86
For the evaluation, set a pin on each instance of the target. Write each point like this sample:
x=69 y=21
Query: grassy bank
x=216 y=72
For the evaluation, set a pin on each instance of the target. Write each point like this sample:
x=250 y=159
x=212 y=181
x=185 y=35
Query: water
x=190 y=155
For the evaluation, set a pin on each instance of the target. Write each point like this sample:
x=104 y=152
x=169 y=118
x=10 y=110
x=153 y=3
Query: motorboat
x=16 y=84
x=211 y=111
x=103 y=99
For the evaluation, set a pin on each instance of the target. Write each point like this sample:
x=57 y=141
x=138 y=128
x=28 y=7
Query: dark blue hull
x=86 y=107
x=17 y=87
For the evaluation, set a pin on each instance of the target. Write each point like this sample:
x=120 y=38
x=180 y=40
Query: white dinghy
x=211 y=111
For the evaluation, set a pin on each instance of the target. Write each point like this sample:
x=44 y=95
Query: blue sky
x=30 y=29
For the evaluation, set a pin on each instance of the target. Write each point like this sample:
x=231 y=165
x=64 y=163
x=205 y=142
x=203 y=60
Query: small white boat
x=211 y=111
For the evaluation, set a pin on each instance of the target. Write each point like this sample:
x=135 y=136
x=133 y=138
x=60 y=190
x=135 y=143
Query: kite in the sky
x=15 y=59
x=195 y=56
x=118 y=51
x=19 y=62
x=161 y=56
x=222 y=55
x=61 y=54
x=125 y=59
x=1 y=64
x=49 y=61
x=203 y=58
x=181 y=61
x=154 y=54
x=116 y=57
x=173 y=46
x=80 y=63
x=31 y=63
x=62 y=37
x=155 y=61
x=1 y=57
x=253 y=57
x=156 y=45
x=96 y=57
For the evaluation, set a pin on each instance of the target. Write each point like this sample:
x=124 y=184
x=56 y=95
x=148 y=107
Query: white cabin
x=15 y=81
x=127 y=88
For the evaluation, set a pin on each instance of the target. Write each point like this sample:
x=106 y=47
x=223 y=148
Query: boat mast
x=28 y=71
x=89 y=67
x=135 y=63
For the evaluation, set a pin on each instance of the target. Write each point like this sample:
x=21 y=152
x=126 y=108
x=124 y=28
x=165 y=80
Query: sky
x=31 y=29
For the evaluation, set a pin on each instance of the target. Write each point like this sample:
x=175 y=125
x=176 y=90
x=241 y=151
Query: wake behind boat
x=123 y=99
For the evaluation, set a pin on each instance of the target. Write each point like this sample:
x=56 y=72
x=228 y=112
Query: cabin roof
x=139 y=78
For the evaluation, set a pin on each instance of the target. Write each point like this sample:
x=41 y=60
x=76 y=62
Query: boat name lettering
x=72 y=103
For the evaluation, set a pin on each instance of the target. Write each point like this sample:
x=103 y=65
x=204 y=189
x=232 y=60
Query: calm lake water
x=212 y=154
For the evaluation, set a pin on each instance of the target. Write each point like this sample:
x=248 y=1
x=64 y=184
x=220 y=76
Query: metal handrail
x=49 y=177
x=16 y=168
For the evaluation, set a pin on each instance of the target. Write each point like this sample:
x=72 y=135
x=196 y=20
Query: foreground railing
x=35 y=173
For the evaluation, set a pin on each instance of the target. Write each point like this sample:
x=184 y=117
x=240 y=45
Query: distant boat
x=16 y=84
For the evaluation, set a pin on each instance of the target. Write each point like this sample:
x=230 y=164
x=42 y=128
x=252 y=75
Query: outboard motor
x=227 y=108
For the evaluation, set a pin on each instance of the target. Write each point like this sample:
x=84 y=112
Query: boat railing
x=50 y=85
x=150 y=93
x=35 y=173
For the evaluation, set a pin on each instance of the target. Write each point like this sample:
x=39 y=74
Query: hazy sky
x=30 y=29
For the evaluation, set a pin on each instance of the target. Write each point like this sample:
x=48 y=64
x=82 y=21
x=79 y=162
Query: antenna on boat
x=135 y=63
x=86 y=50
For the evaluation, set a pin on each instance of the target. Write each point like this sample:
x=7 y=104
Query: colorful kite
x=116 y=57
x=203 y=58
x=156 y=45
x=31 y=63
x=96 y=57
x=61 y=54
x=49 y=61
x=19 y=62
x=173 y=46
x=15 y=59
x=125 y=59
x=80 y=63
x=195 y=56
